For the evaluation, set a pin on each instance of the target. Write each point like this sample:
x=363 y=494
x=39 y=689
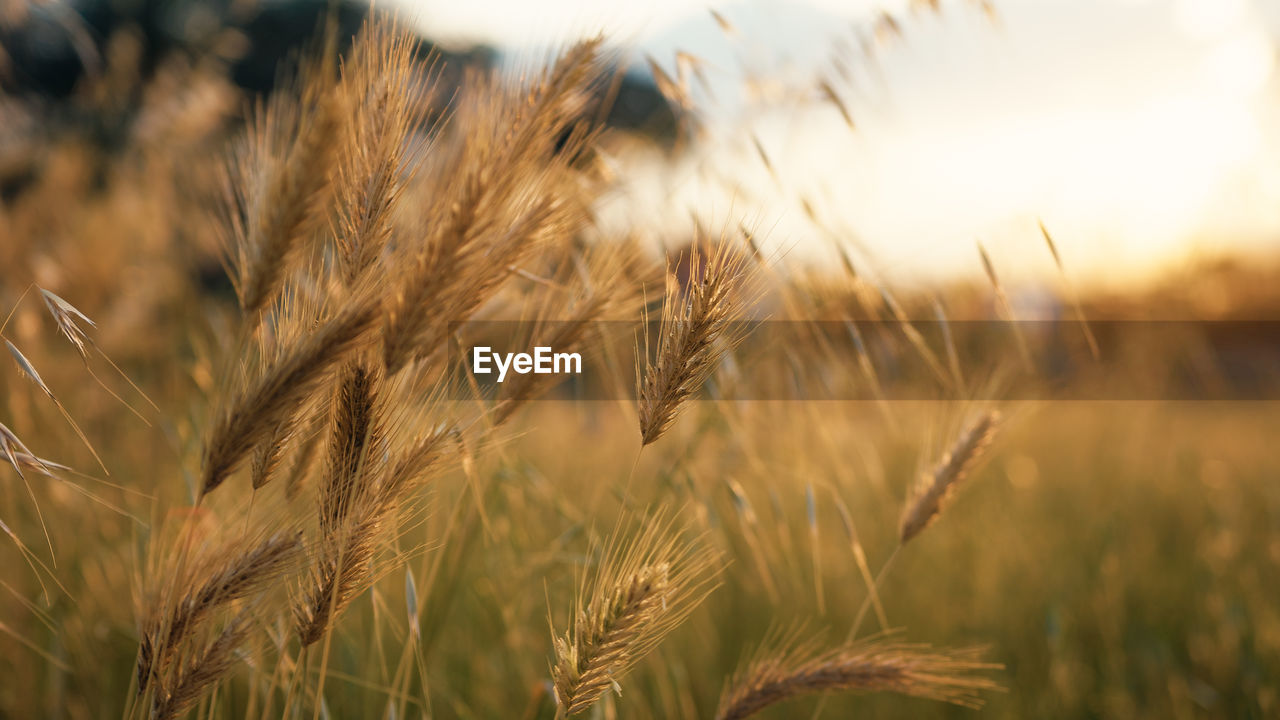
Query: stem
x=866 y=604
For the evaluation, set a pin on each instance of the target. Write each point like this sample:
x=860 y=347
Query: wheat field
x=248 y=472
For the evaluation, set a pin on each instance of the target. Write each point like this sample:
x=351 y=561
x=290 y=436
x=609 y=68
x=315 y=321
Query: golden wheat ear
x=699 y=325
x=276 y=184
x=939 y=484
x=371 y=474
x=274 y=397
x=350 y=517
x=380 y=148
x=209 y=582
x=874 y=666
x=642 y=589
x=508 y=187
x=194 y=676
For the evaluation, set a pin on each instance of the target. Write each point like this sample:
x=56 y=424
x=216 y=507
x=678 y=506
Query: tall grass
x=321 y=514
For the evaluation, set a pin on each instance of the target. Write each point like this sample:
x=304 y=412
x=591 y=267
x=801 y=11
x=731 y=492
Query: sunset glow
x=1142 y=131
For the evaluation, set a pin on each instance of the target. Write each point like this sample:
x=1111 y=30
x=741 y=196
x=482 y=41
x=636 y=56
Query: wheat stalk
x=512 y=189
x=358 y=502
x=269 y=455
x=343 y=571
x=380 y=148
x=290 y=188
x=355 y=442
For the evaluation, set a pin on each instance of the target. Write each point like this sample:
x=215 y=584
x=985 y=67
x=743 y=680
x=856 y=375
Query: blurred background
x=1144 y=133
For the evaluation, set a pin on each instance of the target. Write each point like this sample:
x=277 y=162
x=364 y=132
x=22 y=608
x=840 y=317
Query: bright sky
x=1140 y=131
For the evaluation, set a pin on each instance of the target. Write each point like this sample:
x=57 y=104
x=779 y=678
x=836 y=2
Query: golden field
x=278 y=496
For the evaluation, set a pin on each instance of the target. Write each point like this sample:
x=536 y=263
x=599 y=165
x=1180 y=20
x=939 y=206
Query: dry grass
x=197 y=674
x=320 y=515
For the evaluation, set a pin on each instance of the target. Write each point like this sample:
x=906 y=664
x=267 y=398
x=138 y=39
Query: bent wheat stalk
x=935 y=490
x=877 y=666
x=283 y=210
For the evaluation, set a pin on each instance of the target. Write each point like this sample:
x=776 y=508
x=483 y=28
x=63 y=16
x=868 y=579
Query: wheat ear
x=642 y=590
x=227 y=576
x=697 y=328
x=876 y=666
x=946 y=475
x=181 y=689
x=286 y=210
x=274 y=397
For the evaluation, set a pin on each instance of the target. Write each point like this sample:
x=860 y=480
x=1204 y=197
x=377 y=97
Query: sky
x=1141 y=132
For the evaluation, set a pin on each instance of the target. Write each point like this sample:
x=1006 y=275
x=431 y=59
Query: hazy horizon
x=1140 y=131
